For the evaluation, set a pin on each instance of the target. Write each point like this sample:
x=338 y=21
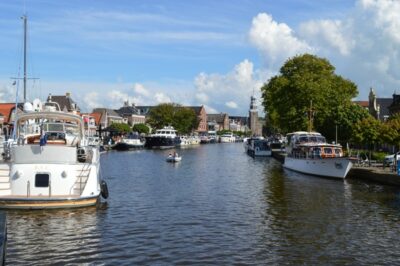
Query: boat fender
x=104 y=189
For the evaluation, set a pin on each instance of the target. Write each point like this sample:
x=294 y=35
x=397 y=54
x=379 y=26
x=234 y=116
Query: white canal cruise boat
x=309 y=153
x=50 y=164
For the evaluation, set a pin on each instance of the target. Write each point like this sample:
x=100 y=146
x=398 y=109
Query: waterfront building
x=380 y=108
x=105 y=117
x=131 y=114
x=238 y=123
x=218 y=121
x=201 y=116
x=66 y=103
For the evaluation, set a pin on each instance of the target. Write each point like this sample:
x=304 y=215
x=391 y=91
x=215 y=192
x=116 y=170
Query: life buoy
x=104 y=189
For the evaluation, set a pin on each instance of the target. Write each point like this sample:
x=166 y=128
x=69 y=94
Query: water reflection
x=218 y=206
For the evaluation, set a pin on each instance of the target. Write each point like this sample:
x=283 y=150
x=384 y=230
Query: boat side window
x=303 y=139
x=327 y=150
x=313 y=139
x=338 y=152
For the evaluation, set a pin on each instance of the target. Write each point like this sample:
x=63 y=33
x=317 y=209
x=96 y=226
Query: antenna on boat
x=310 y=117
x=25 y=78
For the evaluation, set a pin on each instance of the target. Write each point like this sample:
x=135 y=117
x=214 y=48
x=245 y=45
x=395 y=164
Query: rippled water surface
x=218 y=206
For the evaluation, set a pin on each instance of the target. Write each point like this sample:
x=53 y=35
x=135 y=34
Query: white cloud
x=7 y=94
x=162 y=98
x=231 y=104
x=327 y=33
x=91 y=100
x=275 y=40
x=239 y=84
x=363 y=45
x=140 y=89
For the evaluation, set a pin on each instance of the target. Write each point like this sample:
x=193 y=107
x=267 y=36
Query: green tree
x=120 y=128
x=344 y=119
x=162 y=115
x=141 y=128
x=390 y=131
x=302 y=79
x=183 y=119
x=367 y=131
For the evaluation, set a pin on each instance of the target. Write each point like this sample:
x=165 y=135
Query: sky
x=211 y=53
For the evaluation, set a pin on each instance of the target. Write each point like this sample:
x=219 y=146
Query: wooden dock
x=375 y=174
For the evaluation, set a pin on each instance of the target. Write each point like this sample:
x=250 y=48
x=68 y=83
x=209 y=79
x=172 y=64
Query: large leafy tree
x=141 y=128
x=120 y=128
x=304 y=79
x=183 y=119
x=367 y=131
x=390 y=131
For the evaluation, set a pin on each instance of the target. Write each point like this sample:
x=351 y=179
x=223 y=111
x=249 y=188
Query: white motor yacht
x=309 y=153
x=50 y=164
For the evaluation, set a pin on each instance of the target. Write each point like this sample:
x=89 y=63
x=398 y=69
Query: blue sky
x=214 y=53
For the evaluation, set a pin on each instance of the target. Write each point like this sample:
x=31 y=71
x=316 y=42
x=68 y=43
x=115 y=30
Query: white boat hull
x=327 y=167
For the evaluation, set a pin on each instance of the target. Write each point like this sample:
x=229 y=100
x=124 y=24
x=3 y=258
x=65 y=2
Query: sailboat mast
x=25 y=30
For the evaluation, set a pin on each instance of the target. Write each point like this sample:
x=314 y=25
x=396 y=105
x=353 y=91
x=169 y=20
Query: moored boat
x=257 y=146
x=132 y=141
x=164 y=138
x=50 y=164
x=309 y=153
x=227 y=137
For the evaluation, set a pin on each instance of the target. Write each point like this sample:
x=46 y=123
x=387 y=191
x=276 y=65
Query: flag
x=43 y=139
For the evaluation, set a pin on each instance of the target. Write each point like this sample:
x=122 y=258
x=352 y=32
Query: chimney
x=68 y=94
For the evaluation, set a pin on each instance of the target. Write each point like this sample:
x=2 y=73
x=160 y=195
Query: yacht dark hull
x=157 y=142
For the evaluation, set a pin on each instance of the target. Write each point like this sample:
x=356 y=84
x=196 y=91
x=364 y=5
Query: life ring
x=104 y=189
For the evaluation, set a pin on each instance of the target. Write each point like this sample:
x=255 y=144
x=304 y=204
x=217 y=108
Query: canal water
x=217 y=206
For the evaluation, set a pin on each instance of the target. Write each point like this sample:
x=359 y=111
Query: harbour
x=217 y=206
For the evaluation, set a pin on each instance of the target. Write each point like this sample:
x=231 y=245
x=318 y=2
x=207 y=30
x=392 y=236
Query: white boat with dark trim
x=309 y=153
x=257 y=147
x=227 y=137
x=50 y=164
x=132 y=141
x=164 y=138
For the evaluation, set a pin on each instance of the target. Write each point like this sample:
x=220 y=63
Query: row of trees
x=307 y=78
x=183 y=119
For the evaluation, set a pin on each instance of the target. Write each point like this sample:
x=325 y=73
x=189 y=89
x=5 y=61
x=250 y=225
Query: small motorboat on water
x=173 y=158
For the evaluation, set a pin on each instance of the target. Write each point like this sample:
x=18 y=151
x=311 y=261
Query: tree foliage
x=302 y=79
x=141 y=128
x=183 y=119
x=367 y=131
x=120 y=128
x=390 y=131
